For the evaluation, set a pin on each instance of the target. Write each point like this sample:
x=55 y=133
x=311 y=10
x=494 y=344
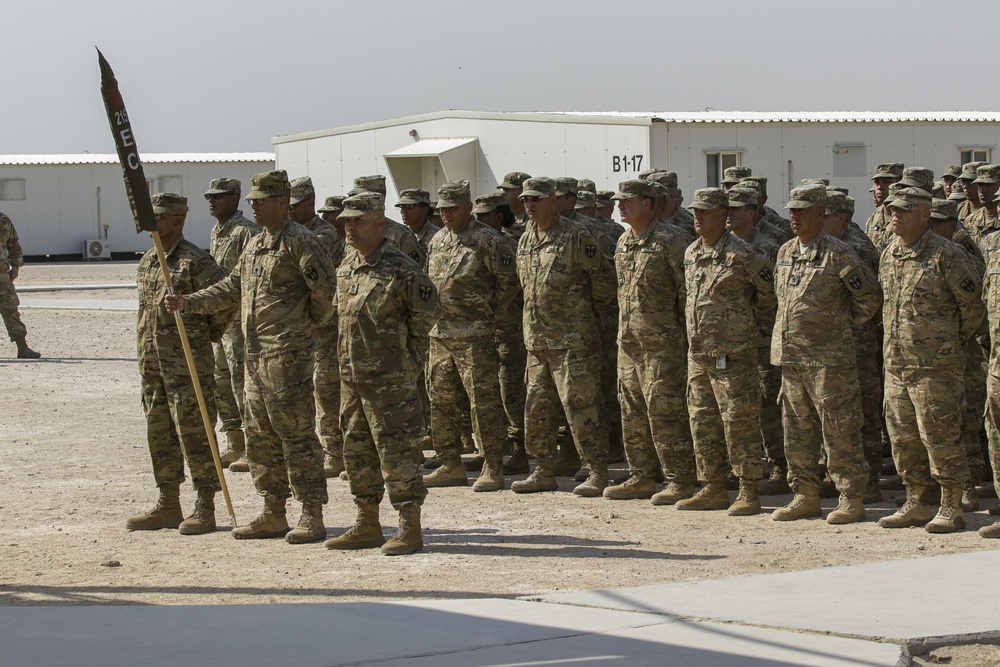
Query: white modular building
x=609 y=147
x=73 y=206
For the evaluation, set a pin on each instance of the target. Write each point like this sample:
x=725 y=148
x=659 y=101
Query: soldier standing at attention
x=823 y=291
x=933 y=305
x=11 y=261
x=331 y=209
x=983 y=221
x=968 y=185
x=284 y=283
x=512 y=186
x=396 y=232
x=228 y=238
x=948 y=178
x=415 y=208
x=565 y=280
x=386 y=307
x=174 y=428
x=326 y=371
x=728 y=287
x=649 y=262
x=877 y=226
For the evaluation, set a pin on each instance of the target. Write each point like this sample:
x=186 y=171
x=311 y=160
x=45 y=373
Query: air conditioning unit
x=97 y=249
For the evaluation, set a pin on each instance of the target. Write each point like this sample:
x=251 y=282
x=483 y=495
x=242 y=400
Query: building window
x=12 y=189
x=975 y=155
x=849 y=160
x=717 y=163
x=170 y=184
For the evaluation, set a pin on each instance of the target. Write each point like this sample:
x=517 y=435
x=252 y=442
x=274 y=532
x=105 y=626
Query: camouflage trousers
x=9 y=304
x=655 y=429
x=866 y=346
x=924 y=409
x=229 y=378
x=282 y=448
x=381 y=424
x=563 y=383
x=611 y=409
x=771 y=431
x=326 y=387
x=724 y=408
x=512 y=358
x=175 y=430
x=465 y=367
x=975 y=407
x=821 y=409
x=993 y=424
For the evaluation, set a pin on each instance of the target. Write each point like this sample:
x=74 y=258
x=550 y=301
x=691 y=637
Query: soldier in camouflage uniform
x=512 y=186
x=326 y=371
x=991 y=296
x=731 y=176
x=968 y=186
x=982 y=222
x=331 y=210
x=933 y=306
x=386 y=306
x=728 y=287
x=668 y=204
x=605 y=205
x=415 y=208
x=284 y=283
x=823 y=291
x=948 y=178
x=396 y=232
x=877 y=226
x=566 y=281
x=769 y=229
x=11 y=261
x=229 y=236
x=174 y=427
x=651 y=352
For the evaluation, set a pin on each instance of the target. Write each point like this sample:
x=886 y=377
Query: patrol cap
x=953 y=171
x=223 y=186
x=667 y=179
x=585 y=199
x=513 y=180
x=414 y=196
x=269 y=184
x=539 y=186
x=586 y=184
x=169 y=203
x=988 y=174
x=646 y=173
x=969 y=171
x=708 y=199
x=836 y=202
x=838 y=188
x=759 y=182
x=888 y=170
x=740 y=197
x=805 y=196
x=909 y=198
x=732 y=175
x=453 y=193
x=374 y=183
x=604 y=198
x=489 y=203
x=943 y=209
x=332 y=204
x=660 y=190
x=302 y=188
x=815 y=181
x=918 y=177
x=567 y=185
x=634 y=188
x=355 y=191
x=938 y=190
x=358 y=205
x=849 y=203
x=957 y=195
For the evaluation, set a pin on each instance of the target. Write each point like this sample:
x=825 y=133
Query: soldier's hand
x=13 y=274
x=173 y=302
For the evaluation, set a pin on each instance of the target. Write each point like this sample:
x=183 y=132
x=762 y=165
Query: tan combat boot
x=712 y=496
x=636 y=486
x=568 y=461
x=332 y=465
x=914 y=512
x=236 y=445
x=517 y=464
x=165 y=514
x=850 y=509
x=366 y=533
x=271 y=523
x=407 y=539
x=202 y=520
x=491 y=478
x=950 y=517
x=970 y=497
x=23 y=351
x=673 y=492
x=597 y=481
x=310 y=527
x=747 y=500
x=777 y=482
x=804 y=505
x=873 y=493
x=542 y=478
x=241 y=464
x=450 y=473
x=992 y=531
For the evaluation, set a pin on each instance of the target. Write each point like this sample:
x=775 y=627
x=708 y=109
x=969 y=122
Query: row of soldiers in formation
x=531 y=320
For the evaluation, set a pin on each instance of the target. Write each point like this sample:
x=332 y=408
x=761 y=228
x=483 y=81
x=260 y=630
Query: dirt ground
x=75 y=465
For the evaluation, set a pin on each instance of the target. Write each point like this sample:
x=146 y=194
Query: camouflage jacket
x=877 y=227
x=400 y=236
x=767 y=247
x=862 y=246
x=933 y=303
x=516 y=230
x=991 y=296
x=10 y=248
x=772 y=232
x=158 y=341
x=328 y=235
x=729 y=285
x=475 y=277
x=962 y=238
x=424 y=237
x=979 y=224
x=228 y=240
x=565 y=280
x=822 y=295
x=778 y=221
x=510 y=320
x=651 y=292
x=600 y=232
x=284 y=283
x=683 y=226
x=386 y=307
x=965 y=209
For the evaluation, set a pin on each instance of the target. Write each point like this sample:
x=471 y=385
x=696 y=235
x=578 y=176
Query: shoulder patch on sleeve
x=424 y=295
x=761 y=267
x=855 y=280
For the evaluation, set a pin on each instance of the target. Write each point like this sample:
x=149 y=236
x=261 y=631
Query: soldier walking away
x=11 y=261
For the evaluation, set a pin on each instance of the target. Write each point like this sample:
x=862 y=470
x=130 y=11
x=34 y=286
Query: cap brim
x=883 y=174
x=508 y=186
x=530 y=193
x=705 y=206
x=618 y=196
x=902 y=204
x=985 y=181
x=219 y=192
x=801 y=204
x=327 y=209
x=352 y=213
x=739 y=204
x=484 y=209
x=408 y=202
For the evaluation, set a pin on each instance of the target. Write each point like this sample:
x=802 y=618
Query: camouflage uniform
x=512 y=356
x=174 y=428
x=424 y=236
x=979 y=225
x=991 y=296
x=10 y=258
x=284 y=282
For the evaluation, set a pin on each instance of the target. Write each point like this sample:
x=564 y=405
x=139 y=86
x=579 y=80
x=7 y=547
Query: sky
x=207 y=76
